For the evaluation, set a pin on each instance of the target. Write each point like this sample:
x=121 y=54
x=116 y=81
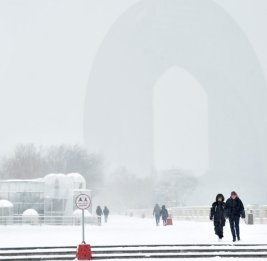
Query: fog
x=153 y=88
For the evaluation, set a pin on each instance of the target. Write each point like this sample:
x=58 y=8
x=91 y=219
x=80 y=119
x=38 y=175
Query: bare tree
x=25 y=162
x=67 y=159
x=124 y=190
x=176 y=185
x=29 y=162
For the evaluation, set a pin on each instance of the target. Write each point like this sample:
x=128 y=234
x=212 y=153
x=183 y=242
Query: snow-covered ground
x=126 y=230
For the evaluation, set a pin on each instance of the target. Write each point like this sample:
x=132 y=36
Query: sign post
x=83 y=202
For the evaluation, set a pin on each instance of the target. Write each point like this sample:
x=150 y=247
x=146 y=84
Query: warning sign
x=83 y=201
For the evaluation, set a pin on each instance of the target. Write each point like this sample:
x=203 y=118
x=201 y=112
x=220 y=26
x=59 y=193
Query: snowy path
x=127 y=231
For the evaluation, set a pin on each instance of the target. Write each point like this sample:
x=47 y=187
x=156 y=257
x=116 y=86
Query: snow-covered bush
x=30 y=216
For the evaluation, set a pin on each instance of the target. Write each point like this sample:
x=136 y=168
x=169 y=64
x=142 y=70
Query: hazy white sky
x=46 y=52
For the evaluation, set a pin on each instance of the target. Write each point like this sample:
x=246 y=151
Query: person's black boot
x=238 y=238
x=234 y=239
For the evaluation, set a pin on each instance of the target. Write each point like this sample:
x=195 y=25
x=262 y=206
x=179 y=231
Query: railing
x=198 y=213
x=201 y=213
x=46 y=220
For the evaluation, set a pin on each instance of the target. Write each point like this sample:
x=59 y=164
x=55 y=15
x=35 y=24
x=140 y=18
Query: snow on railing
x=200 y=213
x=46 y=220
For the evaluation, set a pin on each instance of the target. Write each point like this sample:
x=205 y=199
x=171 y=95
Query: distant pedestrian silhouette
x=164 y=214
x=99 y=213
x=156 y=213
x=106 y=213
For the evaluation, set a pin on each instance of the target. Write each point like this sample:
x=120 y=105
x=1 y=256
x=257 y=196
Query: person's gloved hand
x=211 y=218
x=243 y=216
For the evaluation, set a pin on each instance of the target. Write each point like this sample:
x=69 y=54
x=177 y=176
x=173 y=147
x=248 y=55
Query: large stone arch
x=201 y=37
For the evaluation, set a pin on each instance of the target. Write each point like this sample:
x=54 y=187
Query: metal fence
x=46 y=220
x=201 y=213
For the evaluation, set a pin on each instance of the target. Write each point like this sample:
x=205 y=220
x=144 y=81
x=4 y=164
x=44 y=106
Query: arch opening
x=180 y=122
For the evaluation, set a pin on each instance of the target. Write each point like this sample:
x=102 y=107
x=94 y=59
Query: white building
x=53 y=195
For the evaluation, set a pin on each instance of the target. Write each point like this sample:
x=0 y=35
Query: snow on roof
x=50 y=178
x=54 y=176
x=57 y=185
x=71 y=177
x=22 y=180
x=78 y=180
x=76 y=177
x=5 y=204
x=30 y=212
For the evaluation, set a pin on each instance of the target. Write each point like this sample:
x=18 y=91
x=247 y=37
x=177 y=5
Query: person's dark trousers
x=218 y=227
x=157 y=219
x=234 y=224
x=99 y=220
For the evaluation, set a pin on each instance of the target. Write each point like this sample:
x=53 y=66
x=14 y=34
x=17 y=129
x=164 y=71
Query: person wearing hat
x=234 y=210
x=217 y=214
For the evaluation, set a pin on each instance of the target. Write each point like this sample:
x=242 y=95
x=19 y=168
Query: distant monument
x=202 y=38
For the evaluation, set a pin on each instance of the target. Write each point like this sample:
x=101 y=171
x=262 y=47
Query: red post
x=84 y=252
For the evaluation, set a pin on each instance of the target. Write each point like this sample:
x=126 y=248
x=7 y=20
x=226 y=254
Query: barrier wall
x=201 y=213
x=47 y=220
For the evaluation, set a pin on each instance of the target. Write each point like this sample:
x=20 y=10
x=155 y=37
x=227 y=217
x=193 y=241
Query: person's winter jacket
x=164 y=213
x=99 y=211
x=234 y=208
x=106 y=211
x=217 y=211
x=156 y=211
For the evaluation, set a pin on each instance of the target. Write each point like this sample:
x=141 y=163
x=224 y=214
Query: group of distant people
x=233 y=209
x=100 y=212
x=160 y=212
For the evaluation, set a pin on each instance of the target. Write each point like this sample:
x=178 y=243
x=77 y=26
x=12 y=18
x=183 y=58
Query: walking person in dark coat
x=234 y=209
x=156 y=213
x=164 y=214
x=106 y=213
x=217 y=214
x=99 y=213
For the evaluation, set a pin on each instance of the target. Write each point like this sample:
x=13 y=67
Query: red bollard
x=84 y=252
